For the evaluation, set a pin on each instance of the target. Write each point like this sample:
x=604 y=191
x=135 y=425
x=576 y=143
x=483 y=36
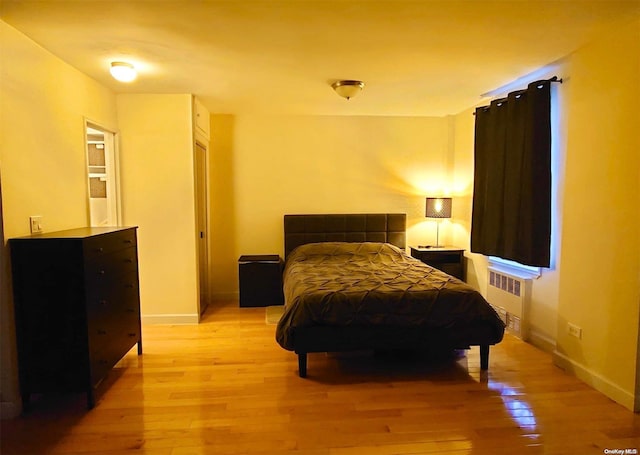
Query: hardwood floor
x=226 y=387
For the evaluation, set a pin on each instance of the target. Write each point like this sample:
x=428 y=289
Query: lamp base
x=438 y=235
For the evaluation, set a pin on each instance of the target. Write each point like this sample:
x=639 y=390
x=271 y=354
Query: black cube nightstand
x=448 y=259
x=260 y=280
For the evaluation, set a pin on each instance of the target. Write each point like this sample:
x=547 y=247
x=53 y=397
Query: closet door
x=202 y=210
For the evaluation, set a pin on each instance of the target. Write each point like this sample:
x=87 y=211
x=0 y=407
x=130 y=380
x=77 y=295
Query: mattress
x=375 y=285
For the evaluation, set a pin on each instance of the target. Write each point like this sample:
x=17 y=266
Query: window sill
x=526 y=272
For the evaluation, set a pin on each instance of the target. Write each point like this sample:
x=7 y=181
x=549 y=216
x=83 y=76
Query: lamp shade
x=438 y=207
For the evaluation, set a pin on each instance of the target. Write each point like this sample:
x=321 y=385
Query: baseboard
x=9 y=410
x=601 y=384
x=542 y=342
x=171 y=319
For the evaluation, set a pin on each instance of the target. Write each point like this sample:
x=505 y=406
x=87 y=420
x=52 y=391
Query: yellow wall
x=594 y=282
x=157 y=176
x=43 y=104
x=223 y=228
x=600 y=256
x=462 y=182
x=273 y=165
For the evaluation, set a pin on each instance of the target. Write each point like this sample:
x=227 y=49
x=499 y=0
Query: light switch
x=36 y=224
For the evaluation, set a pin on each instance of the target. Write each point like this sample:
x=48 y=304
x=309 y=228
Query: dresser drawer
x=100 y=245
x=439 y=257
x=109 y=330
x=118 y=298
x=105 y=356
x=107 y=267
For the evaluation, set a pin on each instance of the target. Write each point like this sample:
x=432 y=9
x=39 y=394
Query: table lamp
x=438 y=207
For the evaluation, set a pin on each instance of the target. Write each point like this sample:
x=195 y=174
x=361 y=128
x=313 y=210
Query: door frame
x=203 y=142
x=112 y=163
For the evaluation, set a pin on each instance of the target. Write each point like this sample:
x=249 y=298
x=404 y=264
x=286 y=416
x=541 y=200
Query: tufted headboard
x=369 y=227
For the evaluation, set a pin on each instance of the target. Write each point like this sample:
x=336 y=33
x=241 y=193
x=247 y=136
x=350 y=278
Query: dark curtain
x=512 y=178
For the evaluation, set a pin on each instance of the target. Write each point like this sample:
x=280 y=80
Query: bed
x=349 y=285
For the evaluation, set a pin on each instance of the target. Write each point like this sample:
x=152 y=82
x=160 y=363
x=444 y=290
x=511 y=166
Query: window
x=530 y=272
x=512 y=200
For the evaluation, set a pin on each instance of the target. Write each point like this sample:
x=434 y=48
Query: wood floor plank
x=226 y=387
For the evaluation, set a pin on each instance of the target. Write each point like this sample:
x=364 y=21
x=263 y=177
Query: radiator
x=510 y=296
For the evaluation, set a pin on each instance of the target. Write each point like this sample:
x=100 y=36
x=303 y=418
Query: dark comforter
x=374 y=284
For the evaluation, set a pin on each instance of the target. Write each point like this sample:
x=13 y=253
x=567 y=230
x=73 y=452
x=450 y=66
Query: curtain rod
x=551 y=79
x=505 y=88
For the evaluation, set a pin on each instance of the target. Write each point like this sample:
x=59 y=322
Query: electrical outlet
x=575 y=331
x=36 y=224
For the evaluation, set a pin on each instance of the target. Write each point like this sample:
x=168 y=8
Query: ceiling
x=417 y=58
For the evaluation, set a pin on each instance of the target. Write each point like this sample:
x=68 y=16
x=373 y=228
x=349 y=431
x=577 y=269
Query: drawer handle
x=128 y=260
x=103 y=302
x=102 y=272
x=100 y=250
x=128 y=241
x=133 y=335
x=102 y=332
x=130 y=310
x=128 y=285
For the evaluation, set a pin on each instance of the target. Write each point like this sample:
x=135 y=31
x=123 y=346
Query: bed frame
x=372 y=227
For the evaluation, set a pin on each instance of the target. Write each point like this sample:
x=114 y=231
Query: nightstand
x=260 y=280
x=448 y=259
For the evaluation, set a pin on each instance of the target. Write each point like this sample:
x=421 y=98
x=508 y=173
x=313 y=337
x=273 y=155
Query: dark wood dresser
x=77 y=307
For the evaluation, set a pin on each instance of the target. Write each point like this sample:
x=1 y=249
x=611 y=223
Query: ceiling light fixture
x=348 y=89
x=123 y=71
